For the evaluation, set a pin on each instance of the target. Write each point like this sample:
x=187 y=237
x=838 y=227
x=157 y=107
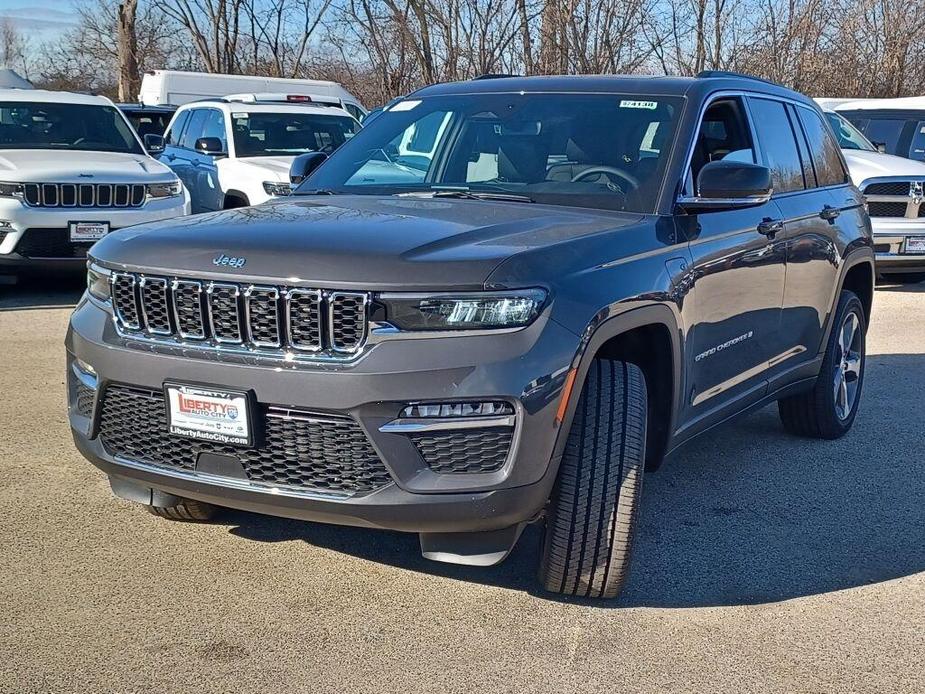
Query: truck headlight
x=11 y=190
x=98 y=282
x=158 y=191
x=278 y=189
x=506 y=309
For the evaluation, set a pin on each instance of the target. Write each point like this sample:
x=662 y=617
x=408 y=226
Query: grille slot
x=262 y=310
x=224 y=312
x=303 y=319
x=468 y=451
x=155 y=305
x=125 y=300
x=886 y=209
x=347 y=322
x=84 y=194
x=187 y=307
x=888 y=188
x=299 y=450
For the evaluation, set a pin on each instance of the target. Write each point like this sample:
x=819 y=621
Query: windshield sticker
x=405 y=105
x=240 y=114
x=633 y=103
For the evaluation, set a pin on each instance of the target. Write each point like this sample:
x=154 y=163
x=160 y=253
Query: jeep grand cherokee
x=496 y=305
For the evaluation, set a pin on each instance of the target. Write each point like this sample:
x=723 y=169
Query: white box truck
x=175 y=88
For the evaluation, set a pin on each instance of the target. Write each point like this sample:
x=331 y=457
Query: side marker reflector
x=566 y=394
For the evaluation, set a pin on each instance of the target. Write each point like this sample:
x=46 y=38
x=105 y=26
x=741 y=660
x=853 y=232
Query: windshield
x=268 y=134
x=848 y=136
x=591 y=150
x=82 y=127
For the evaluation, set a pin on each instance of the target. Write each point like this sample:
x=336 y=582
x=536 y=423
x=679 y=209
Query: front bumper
x=525 y=368
x=21 y=218
x=890 y=235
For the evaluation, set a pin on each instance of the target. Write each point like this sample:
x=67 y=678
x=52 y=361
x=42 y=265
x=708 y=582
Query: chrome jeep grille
x=84 y=194
x=895 y=198
x=264 y=319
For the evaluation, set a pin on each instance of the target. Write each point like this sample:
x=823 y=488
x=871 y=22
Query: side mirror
x=729 y=184
x=209 y=145
x=304 y=164
x=154 y=144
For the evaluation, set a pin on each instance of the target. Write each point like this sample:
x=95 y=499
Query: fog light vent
x=457 y=409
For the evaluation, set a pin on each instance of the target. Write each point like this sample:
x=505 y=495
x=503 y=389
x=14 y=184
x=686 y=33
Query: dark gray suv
x=496 y=305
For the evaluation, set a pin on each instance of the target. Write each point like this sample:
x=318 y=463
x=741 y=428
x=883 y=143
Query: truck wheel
x=593 y=511
x=906 y=277
x=186 y=510
x=828 y=410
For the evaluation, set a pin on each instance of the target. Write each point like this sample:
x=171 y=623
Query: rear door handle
x=770 y=227
x=829 y=213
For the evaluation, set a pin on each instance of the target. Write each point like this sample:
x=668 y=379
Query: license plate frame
x=78 y=232
x=914 y=245
x=204 y=413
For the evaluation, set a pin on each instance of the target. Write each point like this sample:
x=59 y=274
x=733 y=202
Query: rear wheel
x=185 y=510
x=594 y=509
x=828 y=410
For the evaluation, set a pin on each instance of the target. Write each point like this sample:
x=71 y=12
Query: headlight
x=512 y=309
x=98 y=282
x=274 y=188
x=11 y=190
x=157 y=191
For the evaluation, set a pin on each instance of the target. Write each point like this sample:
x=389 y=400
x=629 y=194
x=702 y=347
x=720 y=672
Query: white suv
x=72 y=169
x=236 y=151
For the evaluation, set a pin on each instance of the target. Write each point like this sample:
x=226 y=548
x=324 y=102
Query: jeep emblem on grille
x=223 y=260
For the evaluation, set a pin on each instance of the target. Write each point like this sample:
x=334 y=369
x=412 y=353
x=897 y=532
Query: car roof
x=236 y=106
x=50 y=97
x=906 y=103
x=153 y=108
x=693 y=87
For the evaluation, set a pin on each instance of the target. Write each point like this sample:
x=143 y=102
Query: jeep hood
x=863 y=165
x=70 y=166
x=277 y=166
x=370 y=242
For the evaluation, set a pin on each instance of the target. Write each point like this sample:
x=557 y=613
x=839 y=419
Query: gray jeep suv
x=496 y=305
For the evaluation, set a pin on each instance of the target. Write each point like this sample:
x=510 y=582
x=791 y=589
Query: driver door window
x=724 y=136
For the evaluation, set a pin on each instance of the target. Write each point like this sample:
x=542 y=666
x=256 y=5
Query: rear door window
x=778 y=144
x=826 y=159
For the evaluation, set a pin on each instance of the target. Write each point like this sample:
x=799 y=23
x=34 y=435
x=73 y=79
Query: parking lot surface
x=765 y=563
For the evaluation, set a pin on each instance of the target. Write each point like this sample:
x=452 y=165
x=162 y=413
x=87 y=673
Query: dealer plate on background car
x=208 y=414
x=915 y=244
x=88 y=231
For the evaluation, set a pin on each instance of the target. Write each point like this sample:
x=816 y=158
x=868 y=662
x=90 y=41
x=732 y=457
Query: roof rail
x=494 y=76
x=703 y=74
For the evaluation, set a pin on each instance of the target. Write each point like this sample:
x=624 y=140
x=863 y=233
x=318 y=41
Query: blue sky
x=38 y=19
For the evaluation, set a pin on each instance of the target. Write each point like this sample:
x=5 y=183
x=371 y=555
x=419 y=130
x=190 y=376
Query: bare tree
x=129 y=79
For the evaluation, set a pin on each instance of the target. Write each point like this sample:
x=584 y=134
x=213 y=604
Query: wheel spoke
x=853 y=364
x=843 y=406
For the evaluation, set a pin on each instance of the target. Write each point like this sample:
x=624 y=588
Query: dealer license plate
x=915 y=244
x=88 y=231
x=208 y=414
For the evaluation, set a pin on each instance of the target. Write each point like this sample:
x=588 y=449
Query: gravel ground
x=765 y=564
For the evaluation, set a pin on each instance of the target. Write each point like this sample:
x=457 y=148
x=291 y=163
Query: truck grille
x=266 y=319
x=476 y=450
x=84 y=194
x=298 y=450
x=895 y=198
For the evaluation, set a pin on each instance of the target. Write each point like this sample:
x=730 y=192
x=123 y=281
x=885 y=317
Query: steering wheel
x=597 y=170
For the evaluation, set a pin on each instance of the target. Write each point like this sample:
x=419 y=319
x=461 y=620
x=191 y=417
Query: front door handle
x=770 y=227
x=829 y=213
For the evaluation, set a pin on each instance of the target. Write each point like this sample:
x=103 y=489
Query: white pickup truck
x=72 y=169
x=895 y=191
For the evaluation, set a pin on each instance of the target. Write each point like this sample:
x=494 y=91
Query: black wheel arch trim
x=855 y=257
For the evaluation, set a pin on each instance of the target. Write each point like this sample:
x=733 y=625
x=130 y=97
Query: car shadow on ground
x=60 y=290
x=746 y=515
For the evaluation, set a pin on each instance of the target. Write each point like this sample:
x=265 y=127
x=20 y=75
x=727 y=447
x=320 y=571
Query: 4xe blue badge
x=223 y=260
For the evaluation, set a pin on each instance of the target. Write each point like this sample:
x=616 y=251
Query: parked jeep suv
x=587 y=273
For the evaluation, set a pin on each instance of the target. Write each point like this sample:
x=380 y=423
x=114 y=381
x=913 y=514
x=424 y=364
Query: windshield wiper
x=314 y=191
x=470 y=195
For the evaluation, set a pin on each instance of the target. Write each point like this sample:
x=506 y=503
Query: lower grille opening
x=50 y=243
x=299 y=450
x=467 y=451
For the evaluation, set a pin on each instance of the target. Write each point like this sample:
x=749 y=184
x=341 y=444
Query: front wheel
x=828 y=410
x=595 y=505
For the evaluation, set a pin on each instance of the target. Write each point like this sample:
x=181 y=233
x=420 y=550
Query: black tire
x=906 y=277
x=186 y=510
x=595 y=505
x=233 y=202
x=814 y=413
